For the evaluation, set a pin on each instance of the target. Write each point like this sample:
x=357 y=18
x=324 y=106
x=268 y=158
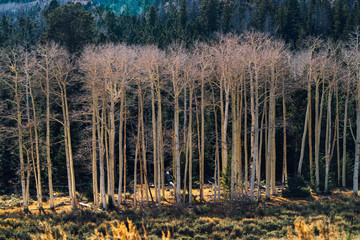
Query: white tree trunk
x=357 y=146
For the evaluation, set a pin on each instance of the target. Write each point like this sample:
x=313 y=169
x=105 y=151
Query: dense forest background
x=75 y=25
x=162 y=22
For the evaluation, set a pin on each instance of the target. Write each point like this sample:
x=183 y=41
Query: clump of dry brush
x=115 y=230
x=313 y=229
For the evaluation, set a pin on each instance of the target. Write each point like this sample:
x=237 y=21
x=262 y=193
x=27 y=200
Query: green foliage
x=111 y=205
x=205 y=225
x=349 y=171
x=332 y=177
x=201 y=209
x=50 y=8
x=71 y=26
x=186 y=231
x=89 y=194
x=209 y=15
x=163 y=22
x=225 y=179
x=296 y=187
x=264 y=13
x=293 y=24
x=237 y=232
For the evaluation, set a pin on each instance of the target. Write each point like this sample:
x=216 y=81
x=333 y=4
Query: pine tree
x=264 y=10
x=183 y=14
x=151 y=33
x=226 y=16
x=71 y=26
x=340 y=16
x=293 y=24
x=309 y=26
x=6 y=31
x=280 y=21
x=50 y=8
x=209 y=15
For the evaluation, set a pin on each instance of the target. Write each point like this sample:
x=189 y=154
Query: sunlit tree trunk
x=70 y=164
x=89 y=65
x=106 y=141
x=224 y=110
x=190 y=145
x=284 y=175
x=338 y=135
x=328 y=142
x=357 y=143
x=71 y=161
x=160 y=137
x=234 y=143
x=186 y=145
x=137 y=152
x=302 y=150
x=144 y=169
x=46 y=68
x=198 y=128
x=177 y=147
x=309 y=122
x=111 y=180
x=239 y=108
x=62 y=75
x=100 y=131
x=254 y=102
x=262 y=131
x=37 y=150
x=125 y=148
x=217 y=154
x=270 y=166
x=273 y=126
x=317 y=132
x=94 y=145
x=121 y=145
x=246 y=158
x=17 y=97
x=155 y=147
x=344 y=156
x=176 y=60
x=202 y=159
x=21 y=156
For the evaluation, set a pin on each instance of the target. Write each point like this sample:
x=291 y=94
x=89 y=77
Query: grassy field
x=319 y=217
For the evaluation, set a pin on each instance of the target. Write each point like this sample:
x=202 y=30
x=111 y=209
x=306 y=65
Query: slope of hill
x=128 y=7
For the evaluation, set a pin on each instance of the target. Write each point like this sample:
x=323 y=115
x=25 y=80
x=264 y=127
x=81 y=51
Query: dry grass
x=312 y=229
x=119 y=231
x=50 y=234
x=62 y=203
x=116 y=230
x=265 y=220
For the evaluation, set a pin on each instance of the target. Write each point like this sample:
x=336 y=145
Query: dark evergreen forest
x=164 y=22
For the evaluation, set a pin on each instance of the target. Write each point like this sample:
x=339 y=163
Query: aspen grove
x=214 y=113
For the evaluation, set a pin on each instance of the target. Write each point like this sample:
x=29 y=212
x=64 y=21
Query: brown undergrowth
x=318 y=217
x=312 y=229
x=110 y=230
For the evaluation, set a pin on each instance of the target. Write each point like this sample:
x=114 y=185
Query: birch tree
x=29 y=68
x=11 y=77
x=63 y=68
x=175 y=62
x=353 y=60
x=47 y=54
x=221 y=52
x=89 y=65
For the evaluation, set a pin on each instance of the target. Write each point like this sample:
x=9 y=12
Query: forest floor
x=335 y=216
